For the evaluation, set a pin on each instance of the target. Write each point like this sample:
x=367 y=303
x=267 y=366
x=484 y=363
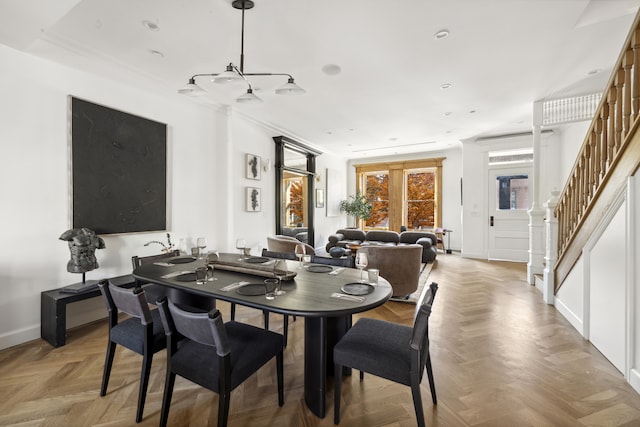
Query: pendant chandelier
x=234 y=74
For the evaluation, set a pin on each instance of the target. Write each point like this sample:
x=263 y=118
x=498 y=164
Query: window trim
x=396 y=171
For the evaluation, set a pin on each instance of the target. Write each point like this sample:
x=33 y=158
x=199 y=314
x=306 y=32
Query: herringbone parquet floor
x=501 y=357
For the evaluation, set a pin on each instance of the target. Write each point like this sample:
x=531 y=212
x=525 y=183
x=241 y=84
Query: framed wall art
x=253 y=166
x=253 y=199
x=118 y=173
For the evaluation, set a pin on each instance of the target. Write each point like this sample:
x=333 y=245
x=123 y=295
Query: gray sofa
x=346 y=236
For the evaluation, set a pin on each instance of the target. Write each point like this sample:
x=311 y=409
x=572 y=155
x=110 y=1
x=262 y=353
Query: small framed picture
x=319 y=198
x=253 y=201
x=253 y=166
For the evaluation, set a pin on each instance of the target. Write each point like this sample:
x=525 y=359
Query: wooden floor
x=501 y=357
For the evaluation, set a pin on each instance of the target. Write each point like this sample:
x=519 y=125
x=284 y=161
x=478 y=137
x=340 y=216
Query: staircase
x=609 y=155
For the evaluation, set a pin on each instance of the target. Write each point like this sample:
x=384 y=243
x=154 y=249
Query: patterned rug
x=424 y=278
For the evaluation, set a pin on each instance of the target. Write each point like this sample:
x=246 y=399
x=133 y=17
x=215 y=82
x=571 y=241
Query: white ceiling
x=500 y=57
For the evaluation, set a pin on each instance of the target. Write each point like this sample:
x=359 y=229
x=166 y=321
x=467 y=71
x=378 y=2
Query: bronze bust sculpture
x=83 y=243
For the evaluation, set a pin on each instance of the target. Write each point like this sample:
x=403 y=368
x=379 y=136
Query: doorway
x=508 y=202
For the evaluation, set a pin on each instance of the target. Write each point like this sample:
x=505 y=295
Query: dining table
x=325 y=296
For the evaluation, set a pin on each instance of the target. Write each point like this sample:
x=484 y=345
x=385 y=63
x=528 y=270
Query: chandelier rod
x=242 y=41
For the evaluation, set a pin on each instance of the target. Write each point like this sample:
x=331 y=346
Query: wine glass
x=280 y=271
x=240 y=245
x=201 y=243
x=300 y=252
x=209 y=261
x=361 y=263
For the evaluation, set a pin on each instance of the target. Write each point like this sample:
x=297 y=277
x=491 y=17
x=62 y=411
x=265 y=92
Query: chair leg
x=432 y=384
x=166 y=398
x=223 y=408
x=144 y=384
x=361 y=375
x=285 y=333
x=233 y=311
x=108 y=362
x=279 y=373
x=337 y=386
x=265 y=315
x=417 y=400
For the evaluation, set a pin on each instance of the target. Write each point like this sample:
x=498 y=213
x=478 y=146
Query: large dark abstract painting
x=119 y=181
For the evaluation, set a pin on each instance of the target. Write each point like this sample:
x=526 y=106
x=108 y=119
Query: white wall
x=206 y=147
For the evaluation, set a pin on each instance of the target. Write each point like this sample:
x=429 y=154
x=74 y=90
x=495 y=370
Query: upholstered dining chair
x=336 y=262
x=155 y=292
x=141 y=333
x=389 y=350
x=216 y=355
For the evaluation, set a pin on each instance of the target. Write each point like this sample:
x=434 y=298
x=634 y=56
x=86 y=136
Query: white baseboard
x=20 y=336
x=634 y=380
x=575 y=321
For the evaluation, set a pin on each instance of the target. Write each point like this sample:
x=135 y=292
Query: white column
x=551 y=256
x=536 y=213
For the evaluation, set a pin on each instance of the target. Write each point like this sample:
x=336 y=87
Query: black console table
x=53 y=309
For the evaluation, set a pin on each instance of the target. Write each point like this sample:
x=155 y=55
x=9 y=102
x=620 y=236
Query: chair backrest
x=137 y=261
x=279 y=255
x=420 y=337
x=130 y=301
x=204 y=328
x=287 y=244
x=400 y=265
x=338 y=262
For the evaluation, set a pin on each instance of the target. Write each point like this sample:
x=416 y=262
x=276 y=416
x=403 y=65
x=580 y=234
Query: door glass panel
x=294 y=200
x=420 y=199
x=377 y=193
x=512 y=192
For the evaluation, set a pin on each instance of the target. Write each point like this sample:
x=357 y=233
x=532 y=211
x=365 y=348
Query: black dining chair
x=141 y=333
x=216 y=355
x=389 y=350
x=336 y=262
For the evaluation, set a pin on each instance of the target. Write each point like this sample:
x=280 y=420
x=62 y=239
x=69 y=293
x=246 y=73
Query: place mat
x=183 y=260
x=252 y=289
x=186 y=277
x=257 y=260
x=357 y=288
x=319 y=268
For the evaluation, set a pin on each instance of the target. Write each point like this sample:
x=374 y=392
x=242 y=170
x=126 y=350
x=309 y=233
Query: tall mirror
x=295 y=172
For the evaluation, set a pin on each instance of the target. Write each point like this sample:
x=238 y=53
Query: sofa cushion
x=335 y=238
x=352 y=234
x=383 y=236
x=413 y=236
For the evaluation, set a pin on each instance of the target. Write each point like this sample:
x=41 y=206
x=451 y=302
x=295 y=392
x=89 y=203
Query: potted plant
x=356 y=206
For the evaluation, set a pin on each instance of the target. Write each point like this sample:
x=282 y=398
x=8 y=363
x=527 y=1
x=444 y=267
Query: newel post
x=536 y=213
x=551 y=256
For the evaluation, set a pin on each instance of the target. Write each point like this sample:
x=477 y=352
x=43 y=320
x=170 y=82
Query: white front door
x=508 y=216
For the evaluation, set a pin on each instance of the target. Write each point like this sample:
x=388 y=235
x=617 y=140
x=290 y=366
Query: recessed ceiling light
x=150 y=25
x=442 y=34
x=472 y=112
x=594 y=72
x=445 y=86
x=331 y=69
x=447 y=113
x=156 y=53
